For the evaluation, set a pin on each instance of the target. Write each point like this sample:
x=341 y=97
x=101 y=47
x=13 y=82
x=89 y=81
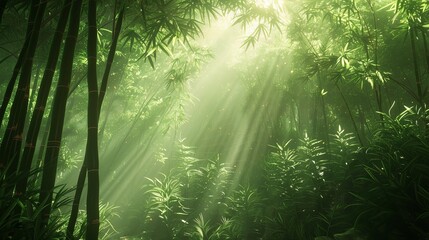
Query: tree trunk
x=416 y=66
x=34 y=87
x=58 y=113
x=425 y=46
x=13 y=136
x=76 y=200
x=9 y=89
x=42 y=97
x=82 y=173
x=112 y=51
x=92 y=208
x=2 y=8
x=18 y=64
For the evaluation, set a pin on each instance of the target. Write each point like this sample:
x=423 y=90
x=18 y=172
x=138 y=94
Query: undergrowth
x=309 y=191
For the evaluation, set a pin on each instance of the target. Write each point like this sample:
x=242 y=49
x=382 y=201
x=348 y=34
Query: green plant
x=20 y=219
x=205 y=182
x=308 y=186
x=246 y=213
x=107 y=230
x=392 y=193
x=165 y=212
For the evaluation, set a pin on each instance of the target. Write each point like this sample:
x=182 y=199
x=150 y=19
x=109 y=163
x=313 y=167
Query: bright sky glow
x=276 y=4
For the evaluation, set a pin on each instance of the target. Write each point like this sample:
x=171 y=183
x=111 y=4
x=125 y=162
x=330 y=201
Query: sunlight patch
x=276 y=4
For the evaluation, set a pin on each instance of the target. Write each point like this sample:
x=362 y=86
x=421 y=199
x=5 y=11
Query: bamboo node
x=17 y=137
x=40 y=108
x=54 y=144
x=29 y=145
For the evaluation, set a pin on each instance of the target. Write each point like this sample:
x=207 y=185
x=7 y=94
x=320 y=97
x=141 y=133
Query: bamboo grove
x=157 y=32
x=318 y=131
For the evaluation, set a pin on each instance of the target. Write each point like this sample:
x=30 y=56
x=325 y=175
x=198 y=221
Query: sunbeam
x=214 y=119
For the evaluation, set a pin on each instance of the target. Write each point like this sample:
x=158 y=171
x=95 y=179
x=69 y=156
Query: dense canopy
x=214 y=119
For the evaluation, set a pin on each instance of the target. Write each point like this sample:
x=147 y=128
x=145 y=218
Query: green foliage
x=174 y=200
x=339 y=64
x=245 y=209
x=165 y=207
x=107 y=230
x=20 y=214
x=298 y=200
x=310 y=190
x=395 y=179
x=375 y=190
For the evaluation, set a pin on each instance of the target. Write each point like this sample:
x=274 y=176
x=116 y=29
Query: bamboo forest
x=214 y=119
